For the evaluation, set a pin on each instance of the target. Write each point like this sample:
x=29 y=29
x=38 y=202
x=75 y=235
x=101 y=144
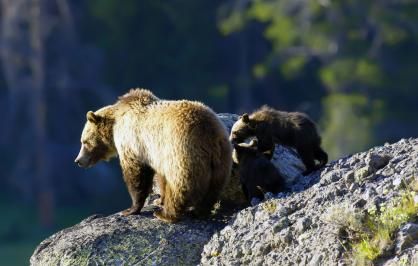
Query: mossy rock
x=133 y=240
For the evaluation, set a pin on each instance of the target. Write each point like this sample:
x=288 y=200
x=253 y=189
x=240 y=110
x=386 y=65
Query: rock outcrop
x=117 y=240
x=287 y=229
x=294 y=228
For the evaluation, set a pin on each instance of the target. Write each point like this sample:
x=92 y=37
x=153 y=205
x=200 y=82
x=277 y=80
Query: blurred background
x=351 y=65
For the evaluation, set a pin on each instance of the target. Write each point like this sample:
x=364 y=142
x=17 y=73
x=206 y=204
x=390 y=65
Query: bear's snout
x=77 y=161
x=83 y=158
x=81 y=162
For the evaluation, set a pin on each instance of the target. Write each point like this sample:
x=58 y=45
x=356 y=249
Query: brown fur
x=256 y=173
x=141 y=96
x=182 y=143
x=232 y=196
x=292 y=129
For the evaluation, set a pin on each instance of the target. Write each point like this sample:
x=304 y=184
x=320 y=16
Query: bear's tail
x=321 y=156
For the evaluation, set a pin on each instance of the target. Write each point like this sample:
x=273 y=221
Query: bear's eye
x=86 y=145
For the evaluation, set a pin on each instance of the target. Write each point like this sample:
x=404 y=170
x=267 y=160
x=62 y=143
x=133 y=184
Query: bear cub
x=256 y=173
x=291 y=129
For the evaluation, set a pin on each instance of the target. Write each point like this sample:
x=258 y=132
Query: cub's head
x=97 y=138
x=243 y=151
x=242 y=129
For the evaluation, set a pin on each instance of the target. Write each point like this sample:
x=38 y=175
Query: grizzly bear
x=182 y=143
x=257 y=174
x=292 y=129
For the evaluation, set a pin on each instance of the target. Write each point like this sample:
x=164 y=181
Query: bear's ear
x=253 y=143
x=245 y=118
x=92 y=117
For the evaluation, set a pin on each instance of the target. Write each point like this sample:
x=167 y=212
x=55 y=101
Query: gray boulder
x=298 y=227
x=133 y=240
x=407 y=237
x=302 y=228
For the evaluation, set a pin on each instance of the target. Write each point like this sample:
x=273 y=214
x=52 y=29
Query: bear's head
x=242 y=129
x=243 y=151
x=97 y=138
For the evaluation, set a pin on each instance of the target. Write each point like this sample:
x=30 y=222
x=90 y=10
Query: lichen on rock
x=133 y=240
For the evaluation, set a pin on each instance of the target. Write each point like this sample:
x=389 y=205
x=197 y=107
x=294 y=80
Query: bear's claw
x=131 y=211
x=160 y=216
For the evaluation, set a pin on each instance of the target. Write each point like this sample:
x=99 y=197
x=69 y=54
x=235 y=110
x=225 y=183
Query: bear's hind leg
x=308 y=160
x=138 y=179
x=321 y=156
x=220 y=171
x=174 y=205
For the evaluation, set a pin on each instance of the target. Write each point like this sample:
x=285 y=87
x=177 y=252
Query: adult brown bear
x=182 y=142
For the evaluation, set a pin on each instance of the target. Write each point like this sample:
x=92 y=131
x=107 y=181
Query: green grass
x=371 y=234
x=380 y=228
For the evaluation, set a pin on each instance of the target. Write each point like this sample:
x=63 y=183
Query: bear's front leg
x=138 y=179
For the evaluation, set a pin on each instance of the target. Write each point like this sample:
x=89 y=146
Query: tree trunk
x=23 y=60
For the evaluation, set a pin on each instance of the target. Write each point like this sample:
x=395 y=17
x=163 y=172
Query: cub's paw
x=165 y=218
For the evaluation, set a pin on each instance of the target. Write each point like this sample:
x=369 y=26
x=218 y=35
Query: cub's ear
x=92 y=117
x=253 y=143
x=245 y=118
x=268 y=154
